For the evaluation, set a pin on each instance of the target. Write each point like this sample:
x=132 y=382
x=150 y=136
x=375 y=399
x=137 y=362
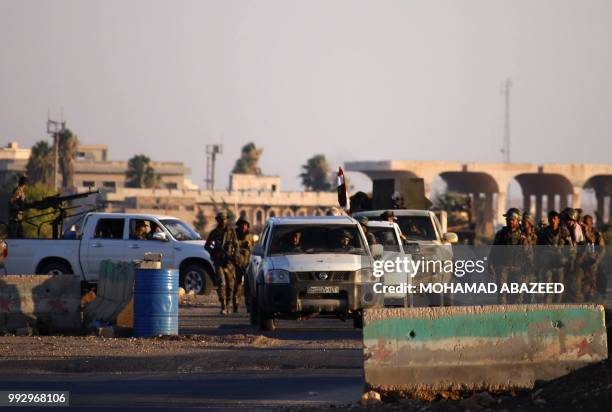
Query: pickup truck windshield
x=386 y=237
x=179 y=230
x=314 y=239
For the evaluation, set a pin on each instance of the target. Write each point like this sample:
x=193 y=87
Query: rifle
x=55 y=201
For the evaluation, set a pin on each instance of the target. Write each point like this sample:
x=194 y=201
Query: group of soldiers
x=565 y=248
x=230 y=250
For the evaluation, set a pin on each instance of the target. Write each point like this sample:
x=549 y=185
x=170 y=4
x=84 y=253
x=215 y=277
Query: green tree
x=40 y=164
x=247 y=163
x=199 y=224
x=140 y=173
x=67 y=149
x=315 y=175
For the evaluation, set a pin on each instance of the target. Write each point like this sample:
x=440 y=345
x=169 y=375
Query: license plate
x=312 y=290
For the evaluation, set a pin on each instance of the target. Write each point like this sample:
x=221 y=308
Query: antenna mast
x=212 y=150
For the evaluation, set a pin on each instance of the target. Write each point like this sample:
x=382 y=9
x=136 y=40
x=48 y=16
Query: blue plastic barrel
x=156 y=302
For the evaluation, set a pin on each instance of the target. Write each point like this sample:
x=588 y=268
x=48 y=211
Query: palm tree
x=140 y=173
x=316 y=174
x=67 y=149
x=40 y=164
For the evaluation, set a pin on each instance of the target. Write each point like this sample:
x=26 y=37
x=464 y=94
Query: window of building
x=259 y=217
x=171 y=185
x=109 y=229
x=89 y=183
x=109 y=185
x=274 y=188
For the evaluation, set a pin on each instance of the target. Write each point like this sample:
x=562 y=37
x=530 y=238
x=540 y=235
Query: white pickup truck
x=115 y=236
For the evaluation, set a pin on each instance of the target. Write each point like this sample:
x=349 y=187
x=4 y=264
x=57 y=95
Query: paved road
x=226 y=391
x=312 y=362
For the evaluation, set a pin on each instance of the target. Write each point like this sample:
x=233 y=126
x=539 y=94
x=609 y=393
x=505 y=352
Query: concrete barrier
x=114 y=292
x=45 y=302
x=410 y=350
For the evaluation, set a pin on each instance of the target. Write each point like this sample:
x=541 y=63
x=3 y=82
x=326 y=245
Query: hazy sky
x=353 y=80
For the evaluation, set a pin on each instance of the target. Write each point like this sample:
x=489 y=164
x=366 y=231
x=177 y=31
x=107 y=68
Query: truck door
x=104 y=242
x=141 y=241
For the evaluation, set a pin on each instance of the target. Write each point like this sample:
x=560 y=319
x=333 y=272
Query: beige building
x=255 y=205
x=93 y=169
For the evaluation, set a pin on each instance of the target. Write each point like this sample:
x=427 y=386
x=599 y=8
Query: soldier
x=16 y=207
x=245 y=245
x=542 y=224
x=577 y=254
x=504 y=261
x=363 y=222
x=389 y=216
x=222 y=244
x=528 y=241
x=345 y=240
x=596 y=251
x=551 y=257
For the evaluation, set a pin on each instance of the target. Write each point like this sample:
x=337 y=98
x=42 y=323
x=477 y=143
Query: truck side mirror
x=258 y=250
x=377 y=251
x=161 y=236
x=451 y=237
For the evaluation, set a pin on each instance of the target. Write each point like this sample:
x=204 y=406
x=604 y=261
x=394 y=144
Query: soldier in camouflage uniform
x=553 y=242
x=577 y=254
x=528 y=242
x=596 y=251
x=222 y=244
x=506 y=254
x=245 y=245
x=16 y=207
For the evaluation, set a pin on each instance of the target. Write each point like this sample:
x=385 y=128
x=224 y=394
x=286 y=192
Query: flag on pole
x=343 y=198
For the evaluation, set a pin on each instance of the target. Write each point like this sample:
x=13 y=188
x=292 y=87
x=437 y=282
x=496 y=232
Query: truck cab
x=310 y=266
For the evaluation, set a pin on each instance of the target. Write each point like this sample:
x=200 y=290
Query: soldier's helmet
x=363 y=220
x=528 y=217
x=221 y=216
x=513 y=213
x=23 y=180
x=346 y=234
x=243 y=221
x=570 y=214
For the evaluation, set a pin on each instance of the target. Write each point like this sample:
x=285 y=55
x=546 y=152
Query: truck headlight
x=365 y=275
x=277 y=276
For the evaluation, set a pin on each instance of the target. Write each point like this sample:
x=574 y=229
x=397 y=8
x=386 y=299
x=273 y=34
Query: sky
x=353 y=80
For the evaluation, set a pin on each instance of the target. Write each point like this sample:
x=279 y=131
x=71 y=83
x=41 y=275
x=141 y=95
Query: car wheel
x=267 y=323
x=196 y=278
x=358 y=320
x=56 y=268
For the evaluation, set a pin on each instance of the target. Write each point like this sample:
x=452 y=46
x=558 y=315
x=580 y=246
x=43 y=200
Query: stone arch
x=548 y=191
x=259 y=216
x=602 y=186
x=287 y=212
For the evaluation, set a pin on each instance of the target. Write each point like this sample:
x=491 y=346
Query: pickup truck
x=114 y=236
x=424 y=240
x=309 y=266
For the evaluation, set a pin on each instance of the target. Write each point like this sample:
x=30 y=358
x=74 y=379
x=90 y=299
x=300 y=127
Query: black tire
x=196 y=278
x=358 y=320
x=266 y=322
x=252 y=308
x=56 y=267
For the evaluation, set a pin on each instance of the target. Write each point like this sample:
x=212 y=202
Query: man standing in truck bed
x=222 y=244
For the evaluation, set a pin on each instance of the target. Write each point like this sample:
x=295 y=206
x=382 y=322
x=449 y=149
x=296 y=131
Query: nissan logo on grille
x=323 y=275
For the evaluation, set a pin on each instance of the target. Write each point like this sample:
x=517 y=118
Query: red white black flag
x=343 y=198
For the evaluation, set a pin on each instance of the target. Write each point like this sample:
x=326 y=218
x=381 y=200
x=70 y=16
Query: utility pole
x=54 y=128
x=505 y=91
x=212 y=150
